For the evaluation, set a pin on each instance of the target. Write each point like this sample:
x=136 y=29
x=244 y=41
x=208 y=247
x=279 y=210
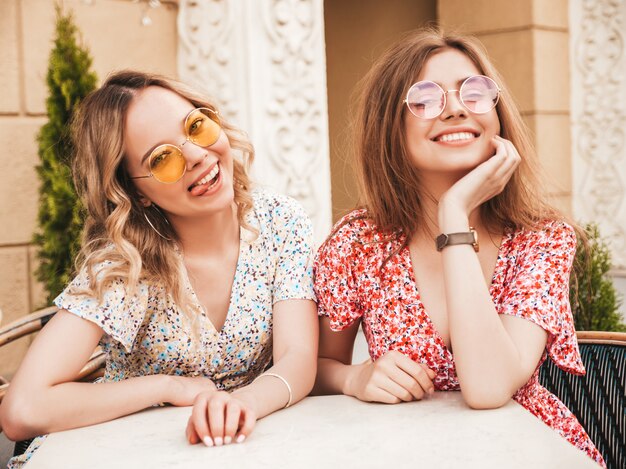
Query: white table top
x=327 y=431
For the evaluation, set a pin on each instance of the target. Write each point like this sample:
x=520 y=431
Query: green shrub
x=595 y=302
x=69 y=80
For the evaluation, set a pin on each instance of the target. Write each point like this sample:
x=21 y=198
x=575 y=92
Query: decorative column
x=598 y=103
x=264 y=62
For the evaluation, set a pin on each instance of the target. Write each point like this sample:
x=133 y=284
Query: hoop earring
x=153 y=227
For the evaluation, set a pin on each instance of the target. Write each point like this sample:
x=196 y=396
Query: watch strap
x=451 y=239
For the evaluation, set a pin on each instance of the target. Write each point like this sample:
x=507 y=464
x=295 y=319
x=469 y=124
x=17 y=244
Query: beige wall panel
x=37 y=291
x=512 y=54
x=118 y=40
x=350 y=51
x=551 y=70
x=111 y=30
x=9 y=66
x=552 y=141
x=37 y=15
x=497 y=15
x=18 y=179
x=484 y=15
x=549 y=13
x=13 y=301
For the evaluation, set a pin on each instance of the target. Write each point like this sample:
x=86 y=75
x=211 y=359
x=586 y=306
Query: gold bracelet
x=284 y=381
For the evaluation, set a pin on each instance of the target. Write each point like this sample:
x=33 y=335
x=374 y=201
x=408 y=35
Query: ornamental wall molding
x=598 y=77
x=208 y=41
x=264 y=63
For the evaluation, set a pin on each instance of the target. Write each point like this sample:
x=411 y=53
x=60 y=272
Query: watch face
x=441 y=241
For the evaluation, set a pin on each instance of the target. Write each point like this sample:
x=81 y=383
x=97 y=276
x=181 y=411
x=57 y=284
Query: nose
x=453 y=105
x=194 y=154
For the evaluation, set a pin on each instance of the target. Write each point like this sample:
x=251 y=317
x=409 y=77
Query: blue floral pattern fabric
x=147 y=333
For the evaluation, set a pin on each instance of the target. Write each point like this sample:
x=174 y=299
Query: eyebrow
x=149 y=152
x=458 y=83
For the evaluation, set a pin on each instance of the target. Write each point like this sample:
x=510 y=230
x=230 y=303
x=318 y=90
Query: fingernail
x=218 y=441
x=207 y=441
x=240 y=438
x=227 y=440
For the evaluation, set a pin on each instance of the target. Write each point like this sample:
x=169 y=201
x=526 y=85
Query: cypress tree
x=595 y=302
x=60 y=216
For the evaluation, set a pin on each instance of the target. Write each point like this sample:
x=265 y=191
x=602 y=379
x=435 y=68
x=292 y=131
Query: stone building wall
x=113 y=31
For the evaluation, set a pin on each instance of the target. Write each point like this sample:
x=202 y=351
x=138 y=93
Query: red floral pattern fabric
x=530 y=280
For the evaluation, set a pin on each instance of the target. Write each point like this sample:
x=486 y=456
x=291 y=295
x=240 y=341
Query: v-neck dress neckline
x=243 y=251
x=405 y=255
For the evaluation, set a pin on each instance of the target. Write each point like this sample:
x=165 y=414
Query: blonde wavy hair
x=389 y=183
x=118 y=242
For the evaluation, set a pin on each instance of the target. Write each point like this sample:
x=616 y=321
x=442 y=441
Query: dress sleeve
x=293 y=237
x=335 y=284
x=119 y=314
x=539 y=291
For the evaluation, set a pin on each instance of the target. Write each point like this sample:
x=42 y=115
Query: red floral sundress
x=530 y=281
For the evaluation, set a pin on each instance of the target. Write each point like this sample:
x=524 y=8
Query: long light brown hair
x=117 y=239
x=389 y=183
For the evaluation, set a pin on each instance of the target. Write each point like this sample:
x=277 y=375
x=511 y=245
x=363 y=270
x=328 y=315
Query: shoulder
x=271 y=205
x=552 y=241
x=279 y=218
x=356 y=232
x=547 y=233
x=105 y=275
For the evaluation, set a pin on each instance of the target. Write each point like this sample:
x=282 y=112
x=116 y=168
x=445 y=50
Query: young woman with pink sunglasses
x=455 y=266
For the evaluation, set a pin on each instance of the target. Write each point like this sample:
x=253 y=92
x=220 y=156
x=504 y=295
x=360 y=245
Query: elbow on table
x=18 y=419
x=485 y=398
x=309 y=379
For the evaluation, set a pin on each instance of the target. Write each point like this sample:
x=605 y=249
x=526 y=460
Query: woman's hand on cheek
x=220 y=418
x=485 y=181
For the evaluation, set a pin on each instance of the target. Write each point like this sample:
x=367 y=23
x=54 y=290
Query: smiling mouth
x=456 y=137
x=210 y=179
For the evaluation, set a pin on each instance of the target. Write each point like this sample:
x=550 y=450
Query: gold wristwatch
x=450 y=239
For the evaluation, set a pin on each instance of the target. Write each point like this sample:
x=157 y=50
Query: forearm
x=333 y=377
x=487 y=361
x=70 y=405
x=269 y=393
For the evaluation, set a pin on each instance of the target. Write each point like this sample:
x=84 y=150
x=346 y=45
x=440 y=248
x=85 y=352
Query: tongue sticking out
x=199 y=190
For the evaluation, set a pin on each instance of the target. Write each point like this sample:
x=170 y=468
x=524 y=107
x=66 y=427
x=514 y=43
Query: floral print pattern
x=146 y=333
x=530 y=281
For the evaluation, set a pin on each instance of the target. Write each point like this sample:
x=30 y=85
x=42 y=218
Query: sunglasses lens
x=479 y=94
x=203 y=127
x=167 y=164
x=425 y=99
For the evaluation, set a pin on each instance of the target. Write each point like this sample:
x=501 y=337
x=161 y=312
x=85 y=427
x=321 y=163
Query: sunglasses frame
x=445 y=96
x=188 y=138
